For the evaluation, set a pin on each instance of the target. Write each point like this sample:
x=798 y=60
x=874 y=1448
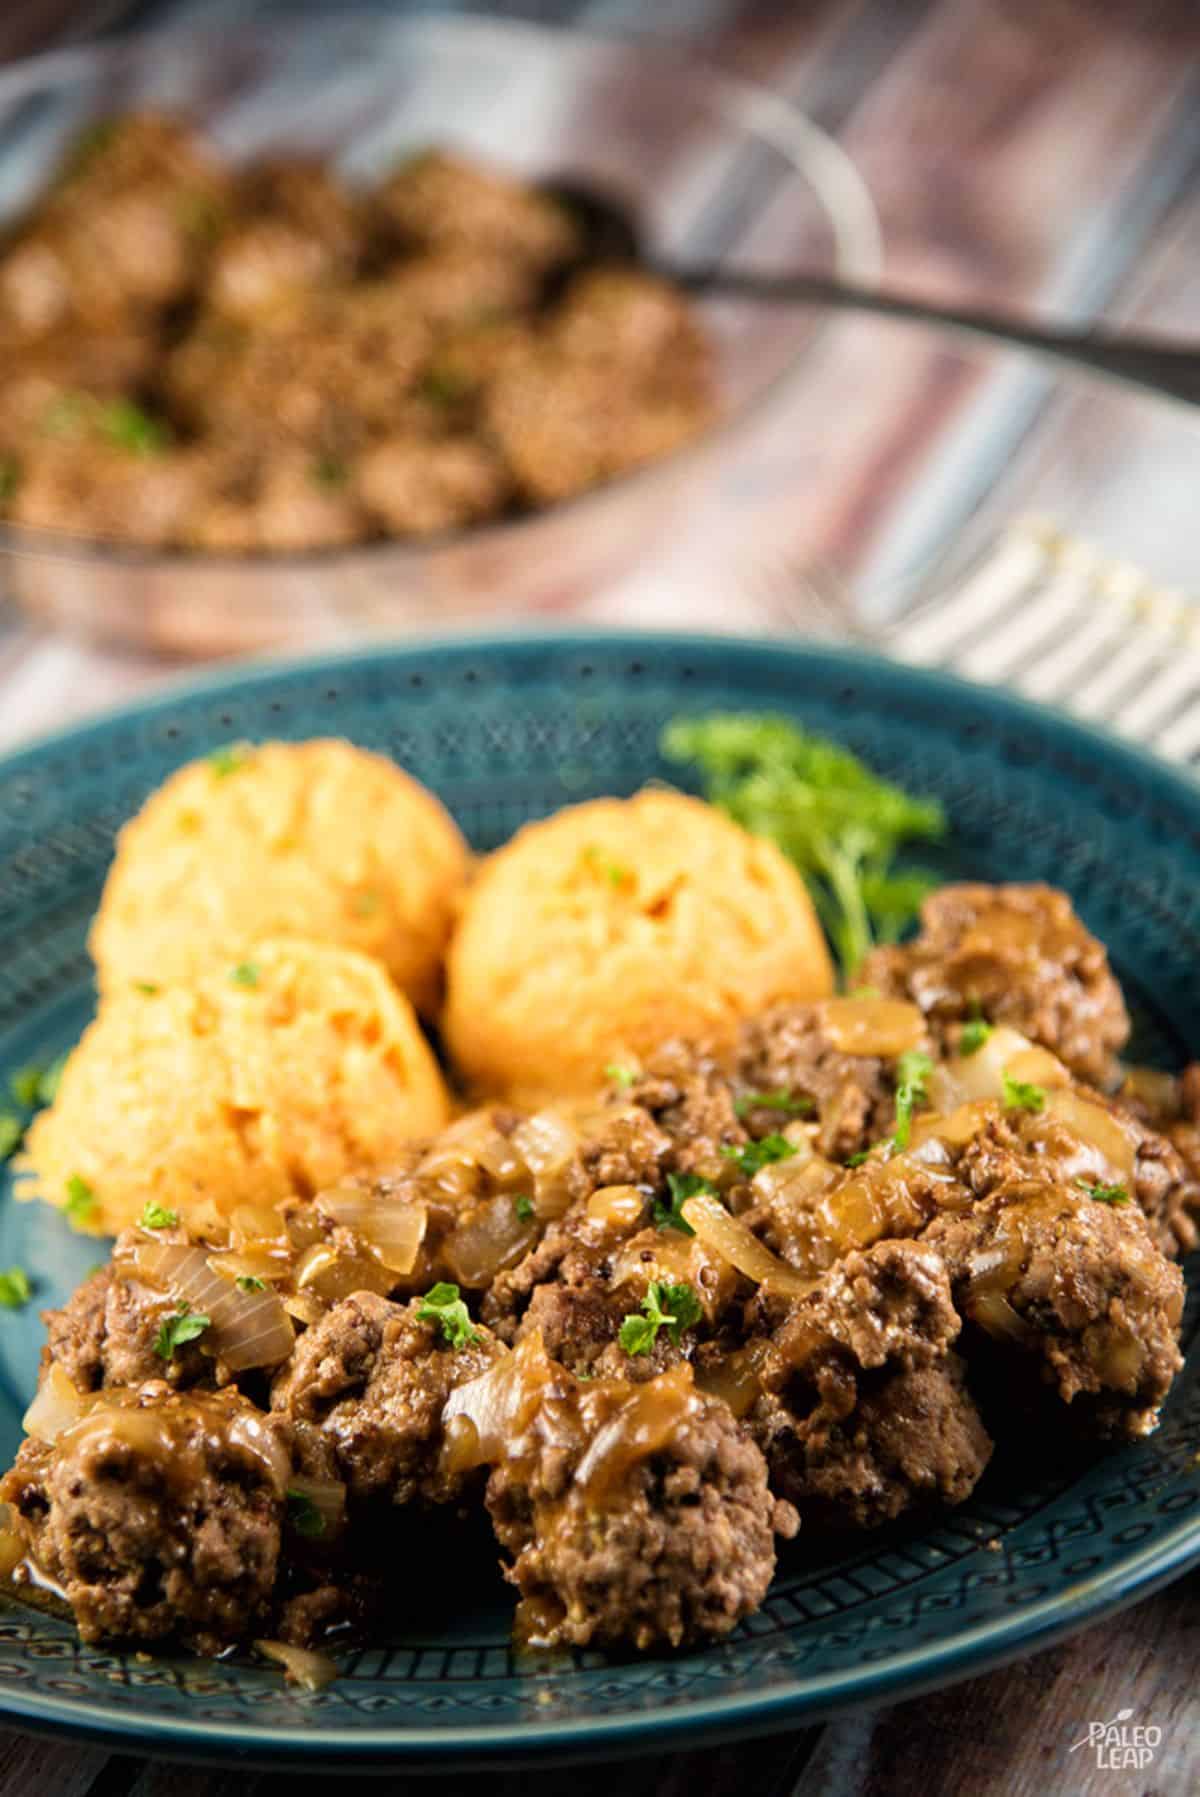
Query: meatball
x=564 y=425
x=296 y=228
x=791 y=1056
x=463 y=285
x=414 y=487
x=90 y=485
x=159 y=1514
x=1066 y=1295
x=438 y=199
x=374 y=1377
x=1015 y=955
x=633 y=1515
x=638 y=326
x=47 y=385
x=864 y=1412
x=1069 y=1143
x=287 y=501
x=104 y=1336
x=121 y=234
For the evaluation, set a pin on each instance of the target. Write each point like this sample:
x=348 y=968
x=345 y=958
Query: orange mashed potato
x=595 y=935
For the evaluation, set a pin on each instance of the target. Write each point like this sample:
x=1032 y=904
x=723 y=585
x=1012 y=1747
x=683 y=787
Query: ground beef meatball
x=159 y=1514
x=1064 y=1294
x=1073 y=1153
x=89 y=485
x=412 y=486
x=436 y=199
x=563 y=425
x=1169 y=1106
x=120 y=234
x=296 y=227
x=864 y=1411
x=638 y=1515
x=789 y=1053
x=104 y=1335
x=44 y=385
x=1015 y=955
x=373 y=1376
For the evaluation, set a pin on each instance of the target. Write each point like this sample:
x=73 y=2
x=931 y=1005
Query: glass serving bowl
x=713 y=169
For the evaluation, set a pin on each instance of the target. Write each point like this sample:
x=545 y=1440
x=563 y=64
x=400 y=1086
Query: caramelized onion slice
x=546 y=1143
x=647 y=1420
x=964 y=1078
x=731 y=1239
x=872 y=1026
x=58 y=1406
x=490 y=1237
x=327 y=1497
x=392 y=1229
x=305 y=1667
x=482 y=1418
x=1096 y=1126
x=246 y=1329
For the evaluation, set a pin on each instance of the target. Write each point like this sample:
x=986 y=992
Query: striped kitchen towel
x=1064 y=623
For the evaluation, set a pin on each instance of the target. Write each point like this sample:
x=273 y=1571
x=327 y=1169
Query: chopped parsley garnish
x=245 y=973
x=330 y=472
x=183 y=1327
x=856 y=1160
x=1021 y=1095
x=912 y=1076
x=15 y=1289
x=26 y=1085
x=442 y=1304
x=1103 y=1194
x=840 y=824
x=147 y=988
x=250 y=1282
x=303 y=1514
x=975 y=1033
x=51 y=1080
x=754 y=1156
x=35 y=1086
x=792 y=1105
x=81 y=1200
x=11 y=1131
x=681 y=1186
x=621 y=1076
x=157 y=1216
x=670 y=1307
x=230 y=758
x=523 y=1205
x=130 y=428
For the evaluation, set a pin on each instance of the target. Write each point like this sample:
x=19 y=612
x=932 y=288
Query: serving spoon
x=1153 y=364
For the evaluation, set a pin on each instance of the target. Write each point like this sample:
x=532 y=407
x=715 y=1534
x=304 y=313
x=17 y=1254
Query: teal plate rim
x=965 y=1651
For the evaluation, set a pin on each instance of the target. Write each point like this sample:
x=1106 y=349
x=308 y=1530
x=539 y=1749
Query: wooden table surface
x=1031 y=153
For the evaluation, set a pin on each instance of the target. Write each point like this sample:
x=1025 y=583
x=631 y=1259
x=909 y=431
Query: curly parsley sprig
x=840 y=823
x=670 y=1307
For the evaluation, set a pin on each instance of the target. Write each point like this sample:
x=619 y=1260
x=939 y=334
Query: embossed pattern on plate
x=509 y=729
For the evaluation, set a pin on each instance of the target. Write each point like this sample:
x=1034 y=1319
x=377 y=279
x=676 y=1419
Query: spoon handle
x=1153 y=364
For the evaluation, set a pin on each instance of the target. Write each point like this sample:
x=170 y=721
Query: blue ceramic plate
x=506 y=730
